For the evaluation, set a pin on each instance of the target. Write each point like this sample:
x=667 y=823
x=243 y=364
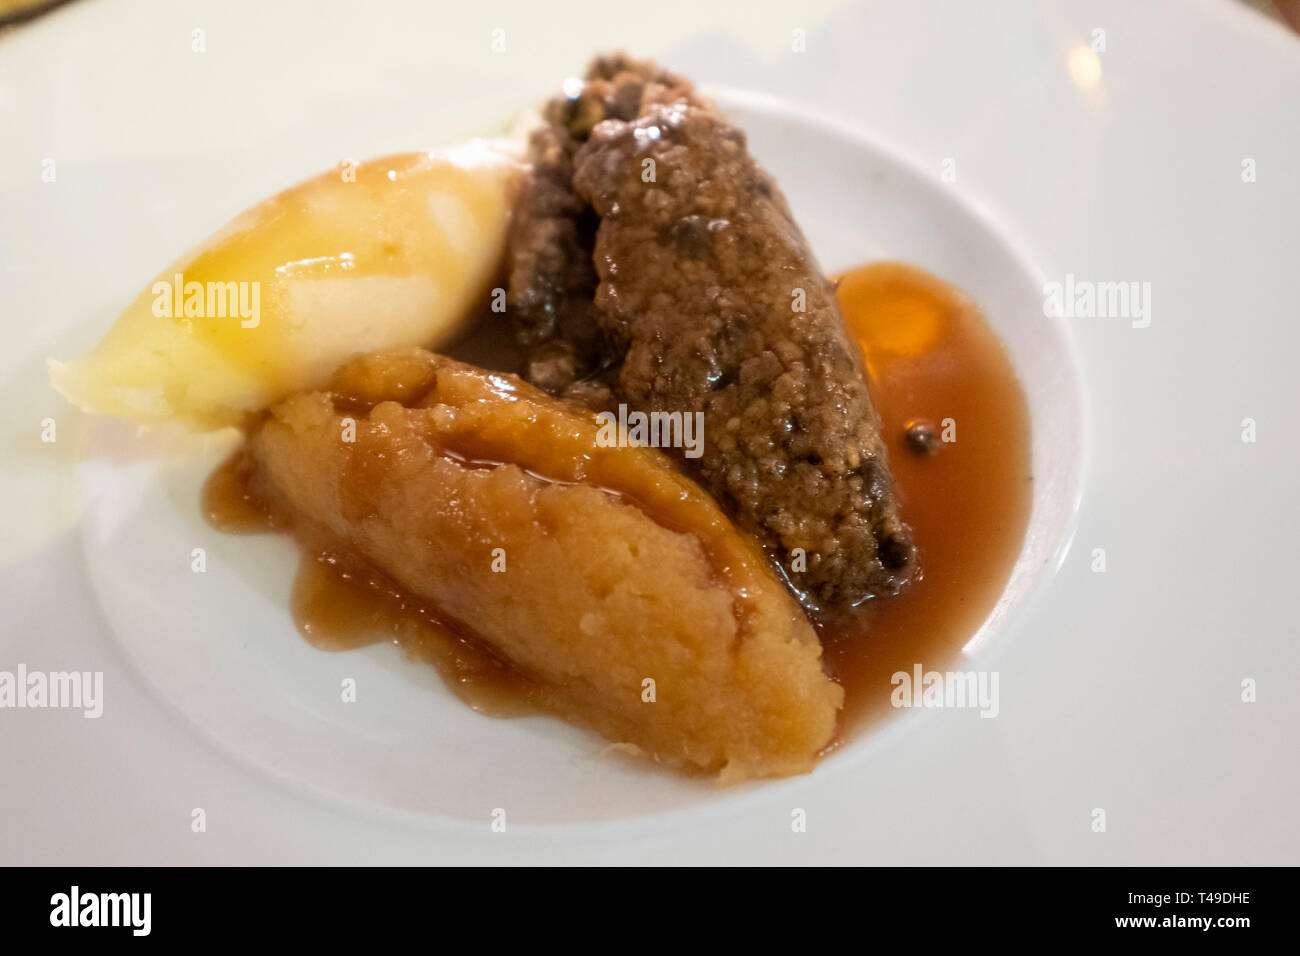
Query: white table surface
x=1127 y=684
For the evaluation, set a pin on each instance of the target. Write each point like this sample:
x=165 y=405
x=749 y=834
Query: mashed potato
x=394 y=251
x=594 y=570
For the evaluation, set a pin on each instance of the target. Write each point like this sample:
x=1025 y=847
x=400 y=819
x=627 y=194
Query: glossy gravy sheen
x=930 y=356
x=340 y=603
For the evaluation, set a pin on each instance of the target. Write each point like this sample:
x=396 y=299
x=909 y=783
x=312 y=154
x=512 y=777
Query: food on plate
x=708 y=602
x=602 y=573
x=655 y=264
x=394 y=251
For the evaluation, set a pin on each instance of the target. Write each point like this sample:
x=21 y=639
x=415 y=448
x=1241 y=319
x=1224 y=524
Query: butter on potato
x=390 y=252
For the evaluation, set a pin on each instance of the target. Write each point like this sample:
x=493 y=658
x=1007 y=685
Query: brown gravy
x=340 y=603
x=930 y=356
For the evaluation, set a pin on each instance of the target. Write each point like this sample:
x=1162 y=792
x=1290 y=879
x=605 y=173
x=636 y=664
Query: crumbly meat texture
x=694 y=290
x=552 y=279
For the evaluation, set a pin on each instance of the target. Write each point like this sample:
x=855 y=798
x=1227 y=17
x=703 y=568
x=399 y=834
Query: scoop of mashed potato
x=389 y=252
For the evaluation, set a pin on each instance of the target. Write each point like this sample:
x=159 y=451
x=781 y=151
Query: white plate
x=220 y=648
x=1120 y=691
